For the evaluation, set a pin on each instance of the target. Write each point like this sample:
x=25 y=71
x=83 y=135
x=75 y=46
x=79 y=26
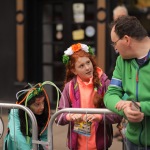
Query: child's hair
x=41 y=119
x=70 y=75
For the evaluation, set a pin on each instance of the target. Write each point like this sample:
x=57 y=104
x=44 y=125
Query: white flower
x=68 y=51
x=85 y=47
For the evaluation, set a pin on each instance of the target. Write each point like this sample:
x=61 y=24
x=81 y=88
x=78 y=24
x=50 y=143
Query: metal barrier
x=71 y=110
x=49 y=142
x=32 y=117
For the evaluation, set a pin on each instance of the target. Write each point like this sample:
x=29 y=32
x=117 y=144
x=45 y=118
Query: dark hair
x=41 y=119
x=129 y=25
x=70 y=75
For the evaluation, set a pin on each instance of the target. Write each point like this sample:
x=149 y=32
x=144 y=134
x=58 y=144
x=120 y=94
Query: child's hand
x=92 y=117
x=74 y=117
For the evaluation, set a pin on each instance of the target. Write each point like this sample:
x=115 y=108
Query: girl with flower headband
x=84 y=87
x=19 y=136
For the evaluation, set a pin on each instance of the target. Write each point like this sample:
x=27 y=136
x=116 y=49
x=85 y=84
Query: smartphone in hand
x=135 y=106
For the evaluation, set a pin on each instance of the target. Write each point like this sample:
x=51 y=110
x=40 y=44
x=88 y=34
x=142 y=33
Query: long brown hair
x=70 y=75
x=41 y=119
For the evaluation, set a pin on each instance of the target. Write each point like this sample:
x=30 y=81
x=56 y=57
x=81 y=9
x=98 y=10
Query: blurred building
x=35 y=33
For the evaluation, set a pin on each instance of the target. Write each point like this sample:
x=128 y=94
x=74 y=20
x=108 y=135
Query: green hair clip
x=35 y=92
x=91 y=50
x=65 y=59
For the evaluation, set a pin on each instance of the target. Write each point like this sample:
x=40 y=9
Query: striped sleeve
x=116 y=82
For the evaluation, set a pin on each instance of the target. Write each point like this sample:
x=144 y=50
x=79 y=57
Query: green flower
x=91 y=51
x=34 y=93
x=65 y=59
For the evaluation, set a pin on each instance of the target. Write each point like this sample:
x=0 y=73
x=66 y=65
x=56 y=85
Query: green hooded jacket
x=134 y=80
x=15 y=140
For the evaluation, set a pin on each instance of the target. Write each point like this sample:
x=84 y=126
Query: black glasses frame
x=114 y=43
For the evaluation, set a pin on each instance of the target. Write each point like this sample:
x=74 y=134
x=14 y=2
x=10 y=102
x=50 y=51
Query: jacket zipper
x=137 y=81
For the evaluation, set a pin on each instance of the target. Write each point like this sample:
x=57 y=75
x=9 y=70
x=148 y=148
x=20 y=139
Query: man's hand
x=122 y=104
x=132 y=115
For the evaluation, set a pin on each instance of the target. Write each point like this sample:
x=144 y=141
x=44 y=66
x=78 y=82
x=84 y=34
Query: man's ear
x=127 y=39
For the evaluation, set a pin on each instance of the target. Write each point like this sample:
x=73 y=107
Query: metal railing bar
x=72 y=110
x=32 y=117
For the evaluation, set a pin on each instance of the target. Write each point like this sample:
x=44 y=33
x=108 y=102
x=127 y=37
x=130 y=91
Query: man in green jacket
x=131 y=76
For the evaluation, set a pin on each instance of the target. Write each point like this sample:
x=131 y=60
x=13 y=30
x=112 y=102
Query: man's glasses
x=114 y=43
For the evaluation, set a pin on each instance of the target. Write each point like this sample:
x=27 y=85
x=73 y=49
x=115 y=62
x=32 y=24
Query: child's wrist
x=98 y=117
x=68 y=117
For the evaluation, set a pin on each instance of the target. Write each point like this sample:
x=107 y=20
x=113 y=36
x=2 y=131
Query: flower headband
x=33 y=91
x=74 y=48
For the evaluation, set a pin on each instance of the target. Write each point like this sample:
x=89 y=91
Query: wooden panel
x=101 y=15
x=20 y=39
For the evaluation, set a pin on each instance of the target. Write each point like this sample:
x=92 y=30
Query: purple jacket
x=65 y=102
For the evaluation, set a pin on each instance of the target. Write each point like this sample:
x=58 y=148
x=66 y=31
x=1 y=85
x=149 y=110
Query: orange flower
x=76 y=47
